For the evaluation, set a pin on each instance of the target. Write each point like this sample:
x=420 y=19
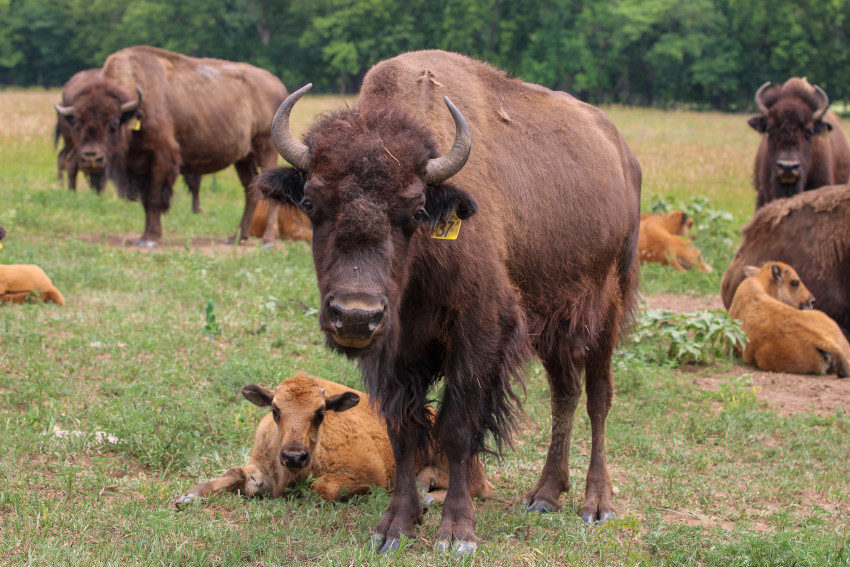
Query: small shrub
x=212 y=329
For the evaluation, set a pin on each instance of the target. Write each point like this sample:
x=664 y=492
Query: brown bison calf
x=19 y=281
x=306 y=434
x=291 y=224
x=784 y=334
x=663 y=239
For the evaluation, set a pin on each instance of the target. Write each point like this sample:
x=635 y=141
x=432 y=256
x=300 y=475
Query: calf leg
x=404 y=510
x=335 y=487
x=249 y=480
x=246 y=169
x=272 y=232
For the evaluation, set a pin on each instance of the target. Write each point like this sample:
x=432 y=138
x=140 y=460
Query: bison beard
x=524 y=274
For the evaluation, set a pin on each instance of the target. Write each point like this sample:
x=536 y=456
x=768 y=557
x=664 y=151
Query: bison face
x=369 y=183
x=299 y=406
x=97 y=119
x=791 y=119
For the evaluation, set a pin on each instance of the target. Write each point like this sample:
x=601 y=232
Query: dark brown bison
x=803 y=147
x=810 y=231
x=432 y=271
x=156 y=114
x=66 y=160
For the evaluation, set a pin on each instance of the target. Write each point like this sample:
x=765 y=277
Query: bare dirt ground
x=787 y=394
x=207 y=245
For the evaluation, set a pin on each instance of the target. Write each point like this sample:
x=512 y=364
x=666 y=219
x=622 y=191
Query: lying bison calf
x=307 y=434
x=19 y=281
x=663 y=239
x=784 y=334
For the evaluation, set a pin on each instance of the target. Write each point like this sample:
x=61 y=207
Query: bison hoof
x=461 y=548
x=427 y=498
x=142 y=243
x=268 y=244
x=590 y=518
x=542 y=507
x=382 y=544
x=183 y=500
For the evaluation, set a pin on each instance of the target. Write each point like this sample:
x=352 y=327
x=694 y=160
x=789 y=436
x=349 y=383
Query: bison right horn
x=443 y=167
x=759 y=103
x=824 y=104
x=66 y=111
x=133 y=104
x=288 y=147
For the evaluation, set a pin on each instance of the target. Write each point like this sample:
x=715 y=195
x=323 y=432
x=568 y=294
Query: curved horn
x=448 y=164
x=821 y=110
x=66 y=111
x=288 y=147
x=759 y=104
x=132 y=105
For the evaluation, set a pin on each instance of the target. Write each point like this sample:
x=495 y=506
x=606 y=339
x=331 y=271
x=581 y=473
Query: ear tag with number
x=447 y=229
x=135 y=124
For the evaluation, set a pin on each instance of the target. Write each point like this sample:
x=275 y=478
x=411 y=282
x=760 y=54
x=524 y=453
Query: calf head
x=372 y=185
x=791 y=116
x=298 y=407
x=97 y=118
x=780 y=281
x=677 y=222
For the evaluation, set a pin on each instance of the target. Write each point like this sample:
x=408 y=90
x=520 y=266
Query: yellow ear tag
x=135 y=124
x=447 y=229
x=1 y=246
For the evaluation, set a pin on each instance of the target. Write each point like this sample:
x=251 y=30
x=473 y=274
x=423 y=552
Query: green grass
x=702 y=477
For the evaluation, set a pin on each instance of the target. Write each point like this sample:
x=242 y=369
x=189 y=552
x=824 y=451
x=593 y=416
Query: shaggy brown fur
x=526 y=271
x=791 y=135
x=306 y=434
x=280 y=222
x=197 y=116
x=781 y=337
x=19 y=281
x=664 y=240
x=810 y=231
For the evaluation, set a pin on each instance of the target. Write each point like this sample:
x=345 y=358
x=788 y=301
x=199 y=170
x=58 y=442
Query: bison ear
x=282 y=184
x=258 y=395
x=342 y=402
x=776 y=273
x=758 y=123
x=821 y=126
x=750 y=271
x=442 y=200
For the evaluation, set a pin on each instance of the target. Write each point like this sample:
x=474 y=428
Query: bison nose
x=353 y=320
x=789 y=170
x=92 y=160
x=294 y=459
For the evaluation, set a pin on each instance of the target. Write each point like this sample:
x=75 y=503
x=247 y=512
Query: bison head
x=97 y=117
x=781 y=282
x=791 y=116
x=372 y=185
x=298 y=407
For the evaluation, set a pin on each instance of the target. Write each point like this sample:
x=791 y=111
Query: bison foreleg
x=404 y=510
x=457 y=528
x=249 y=480
x=598 y=493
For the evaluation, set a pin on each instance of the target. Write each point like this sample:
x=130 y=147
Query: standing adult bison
x=811 y=232
x=431 y=270
x=803 y=145
x=66 y=160
x=155 y=114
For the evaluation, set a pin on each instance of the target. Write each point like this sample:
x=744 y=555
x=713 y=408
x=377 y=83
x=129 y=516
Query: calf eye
x=306 y=205
x=276 y=414
x=795 y=283
x=320 y=416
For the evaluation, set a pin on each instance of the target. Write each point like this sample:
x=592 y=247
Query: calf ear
x=776 y=273
x=750 y=271
x=258 y=395
x=342 y=402
x=443 y=199
x=758 y=123
x=821 y=126
x=282 y=184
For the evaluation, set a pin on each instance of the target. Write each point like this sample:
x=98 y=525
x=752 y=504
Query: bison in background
x=455 y=265
x=810 y=231
x=803 y=145
x=66 y=160
x=156 y=114
x=783 y=333
x=664 y=239
x=307 y=434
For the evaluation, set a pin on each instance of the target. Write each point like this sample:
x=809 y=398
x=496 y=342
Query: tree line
x=699 y=53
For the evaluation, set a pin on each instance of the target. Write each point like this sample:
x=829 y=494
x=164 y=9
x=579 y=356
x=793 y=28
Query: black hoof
x=141 y=243
x=377 y=541
x=542 y=507
x=461 y=548
x=268 y=244
x=390 y=545
x=591 y=518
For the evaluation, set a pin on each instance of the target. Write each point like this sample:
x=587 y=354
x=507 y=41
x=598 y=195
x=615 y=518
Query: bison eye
x=113 y=126
x=276 y=414
x=306 y=205
x=419 y=216
x=320 y=416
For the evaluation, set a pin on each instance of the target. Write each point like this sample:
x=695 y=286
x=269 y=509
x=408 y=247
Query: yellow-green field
x=706 y=471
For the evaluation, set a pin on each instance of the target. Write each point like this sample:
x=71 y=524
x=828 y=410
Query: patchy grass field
x=113 y=406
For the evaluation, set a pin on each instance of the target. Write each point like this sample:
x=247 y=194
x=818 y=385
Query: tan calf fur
x=19 y=281
x=325 y=430
x=784 y=334
x=663 y=239
x=291 y=223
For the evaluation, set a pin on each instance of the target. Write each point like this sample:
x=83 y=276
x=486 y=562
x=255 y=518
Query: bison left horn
x=824 y=104
x=443 y=167
x=132 y=105
x=288 y=147
x=66 y=111
x=759 y=102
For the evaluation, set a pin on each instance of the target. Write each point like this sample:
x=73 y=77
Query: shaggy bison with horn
x=455 y=267
x=803 y=145
x=155 y=114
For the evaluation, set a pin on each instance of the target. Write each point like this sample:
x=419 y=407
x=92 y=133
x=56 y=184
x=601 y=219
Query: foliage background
x=701 y=53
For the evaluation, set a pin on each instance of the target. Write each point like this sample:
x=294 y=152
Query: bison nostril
x=295 y=459
x=335 y=315
x=376 y=320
